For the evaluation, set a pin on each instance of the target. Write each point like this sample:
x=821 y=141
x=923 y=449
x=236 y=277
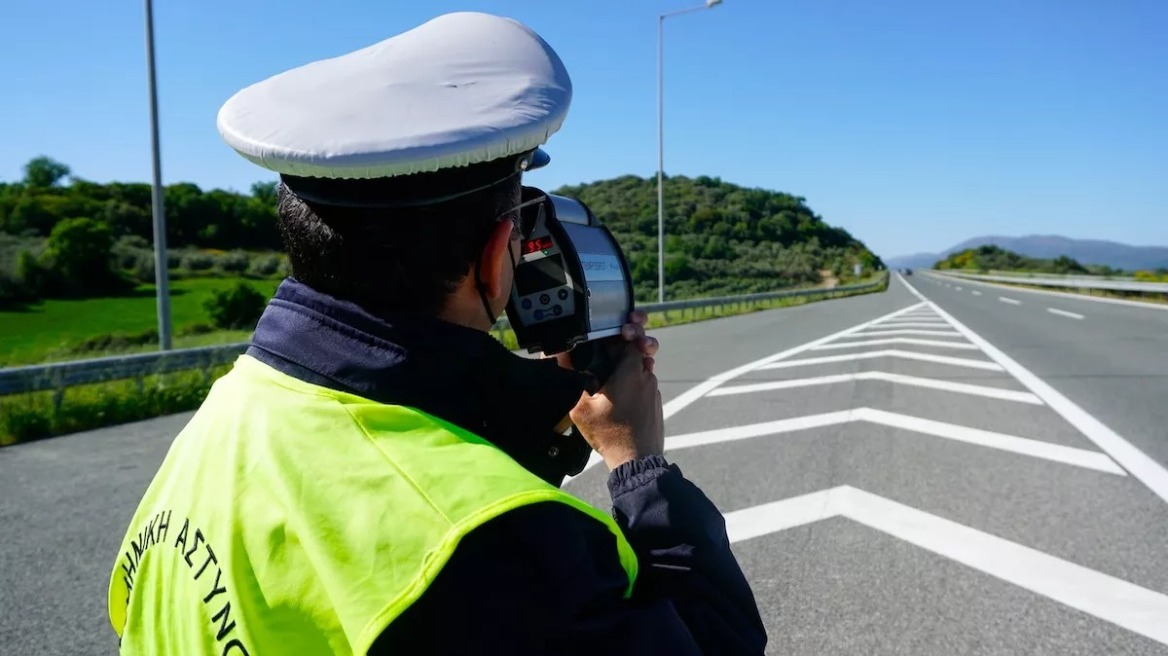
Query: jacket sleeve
x=545 y=579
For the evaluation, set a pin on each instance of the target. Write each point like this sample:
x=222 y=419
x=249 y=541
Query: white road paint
x=911 y=324
x=888 y=353
x=905 y=331
x=898 y=340
x=698 y=391
x=1064 y=313
x=679 y=403
x=1106 y=597
x=1136 y=462
x=1021 y=445
x=957 y=288
x=1011 y=301
x=1068 y=295
x=915 y=381
x=976 y=293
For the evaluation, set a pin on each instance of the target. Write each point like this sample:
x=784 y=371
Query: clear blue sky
x=914 y=124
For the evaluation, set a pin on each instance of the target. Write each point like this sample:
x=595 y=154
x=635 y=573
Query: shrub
x=196 y=261
x=264 y=267
x=143 y=269
x=236 y=308
x=234 y=262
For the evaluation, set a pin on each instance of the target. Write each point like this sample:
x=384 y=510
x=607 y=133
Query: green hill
x=721 y=238
x=994 y=258
x=65 y=237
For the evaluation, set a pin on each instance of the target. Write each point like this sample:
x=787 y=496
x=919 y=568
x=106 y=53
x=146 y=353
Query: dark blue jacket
x=543 y=579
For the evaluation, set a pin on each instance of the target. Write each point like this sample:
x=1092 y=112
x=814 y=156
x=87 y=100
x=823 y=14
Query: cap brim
x=539 y=159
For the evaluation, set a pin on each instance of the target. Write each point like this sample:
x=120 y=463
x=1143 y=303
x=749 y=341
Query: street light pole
x=710 y=4
x=161 y=273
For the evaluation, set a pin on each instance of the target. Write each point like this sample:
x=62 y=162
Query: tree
x=264 y=192
x=78 y=254
x=44 y=172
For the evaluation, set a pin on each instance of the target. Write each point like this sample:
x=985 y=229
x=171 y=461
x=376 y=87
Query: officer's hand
x=623 y=421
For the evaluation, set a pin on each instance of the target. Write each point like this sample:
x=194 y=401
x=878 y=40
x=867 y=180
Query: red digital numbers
x=536 y=245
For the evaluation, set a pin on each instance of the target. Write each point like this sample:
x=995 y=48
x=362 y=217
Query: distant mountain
x=915 y=261
x=1086 y=251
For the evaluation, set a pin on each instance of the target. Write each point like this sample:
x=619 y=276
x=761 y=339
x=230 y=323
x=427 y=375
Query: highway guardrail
x=61 y=375
x=1068 y=283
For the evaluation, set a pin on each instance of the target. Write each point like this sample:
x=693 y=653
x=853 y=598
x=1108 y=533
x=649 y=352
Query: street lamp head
x=710 y=4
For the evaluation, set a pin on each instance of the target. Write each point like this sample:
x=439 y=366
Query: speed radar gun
x=572 y=285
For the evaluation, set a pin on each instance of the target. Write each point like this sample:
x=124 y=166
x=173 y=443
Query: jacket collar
x=459 y=374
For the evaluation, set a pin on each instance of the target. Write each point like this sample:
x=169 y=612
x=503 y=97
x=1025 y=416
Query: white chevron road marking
x=1106 y=597
x=1046 y=450
x=888 y=353
x=897 y=340
x=931 y=383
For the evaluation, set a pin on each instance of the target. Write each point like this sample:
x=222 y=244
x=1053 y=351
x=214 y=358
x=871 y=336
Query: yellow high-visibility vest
x=288 y=518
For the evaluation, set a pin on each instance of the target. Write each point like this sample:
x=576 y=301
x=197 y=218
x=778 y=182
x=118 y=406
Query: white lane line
x=897 y=340
x=906 y=331
x=976 y=293
x=1106 y=597
x=915 y=381
x=888 y=353
x=1011 y=301
x=678 y=403
x=1136 y=462
x=957 y=288
x=1064 y=313
x=1066 y=455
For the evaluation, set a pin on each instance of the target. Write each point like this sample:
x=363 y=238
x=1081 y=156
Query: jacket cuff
x=636 y=473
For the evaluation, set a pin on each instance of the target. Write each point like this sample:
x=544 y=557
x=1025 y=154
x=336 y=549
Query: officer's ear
x=495 y=261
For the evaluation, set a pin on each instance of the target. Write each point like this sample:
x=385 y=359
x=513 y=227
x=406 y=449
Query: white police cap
x=453 y=106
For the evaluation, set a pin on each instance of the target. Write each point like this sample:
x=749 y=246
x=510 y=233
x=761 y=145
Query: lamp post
x=161 y=274
x=710 y=4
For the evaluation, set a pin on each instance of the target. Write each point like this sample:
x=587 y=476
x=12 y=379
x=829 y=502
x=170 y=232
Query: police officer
x=377 y=474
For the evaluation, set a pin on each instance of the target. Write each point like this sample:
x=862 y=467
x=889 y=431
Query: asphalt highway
x=923 y=471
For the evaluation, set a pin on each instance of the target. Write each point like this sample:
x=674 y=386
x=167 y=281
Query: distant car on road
x=908 y=272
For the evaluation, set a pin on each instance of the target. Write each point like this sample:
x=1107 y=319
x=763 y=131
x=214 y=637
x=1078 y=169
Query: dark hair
x=403 y=260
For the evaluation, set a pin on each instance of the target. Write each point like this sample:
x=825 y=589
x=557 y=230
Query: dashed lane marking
x=1136 y=462
x=1064 y=313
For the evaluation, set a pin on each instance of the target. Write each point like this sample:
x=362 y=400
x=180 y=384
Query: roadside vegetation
x=77 y=272
x=26 y=417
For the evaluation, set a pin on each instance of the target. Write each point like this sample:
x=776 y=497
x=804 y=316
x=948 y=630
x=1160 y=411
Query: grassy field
x=46 y=331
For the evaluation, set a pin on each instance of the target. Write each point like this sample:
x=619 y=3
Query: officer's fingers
x=648 y=345
x=648 y=363
x=628 y=364
x=632 y=331
x=638 y=317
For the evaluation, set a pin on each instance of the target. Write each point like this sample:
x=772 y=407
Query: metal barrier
x=61 y=375
x=1068 y=283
